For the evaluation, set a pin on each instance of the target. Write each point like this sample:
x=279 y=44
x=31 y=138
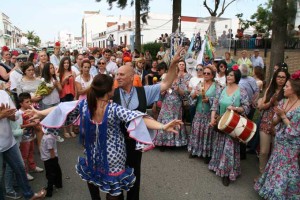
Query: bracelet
x=162 y=127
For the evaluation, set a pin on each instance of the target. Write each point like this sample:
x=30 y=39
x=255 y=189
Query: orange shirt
x=68 y=88
x=136 y=82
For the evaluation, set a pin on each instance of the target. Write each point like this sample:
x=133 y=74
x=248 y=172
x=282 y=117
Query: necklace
x=290 y=107
x=86 y=78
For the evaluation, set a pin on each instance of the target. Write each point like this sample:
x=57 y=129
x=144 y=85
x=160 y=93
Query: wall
x=292 y=58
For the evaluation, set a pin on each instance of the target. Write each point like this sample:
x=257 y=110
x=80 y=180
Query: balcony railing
x=253 y=43
x=8 y=32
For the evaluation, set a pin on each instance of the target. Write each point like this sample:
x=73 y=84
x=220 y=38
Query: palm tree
x=142 y=5
x=30 y=35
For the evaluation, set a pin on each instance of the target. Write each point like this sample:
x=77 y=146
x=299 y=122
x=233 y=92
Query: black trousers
x=53 y=173
x=243 y=147
x=95 y=194
x=134 y=159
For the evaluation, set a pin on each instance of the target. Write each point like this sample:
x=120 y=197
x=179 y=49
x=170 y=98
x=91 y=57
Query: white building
x=123 y=29
x=297 y=22
x=66 y=39
x=10 y=35
x=77 y=42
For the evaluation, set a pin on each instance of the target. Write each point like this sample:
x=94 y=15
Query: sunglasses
x=101 y=63
x=281 y=77
x=207 y=73
x=206 y=58
x=199 y=69
x=222 y=66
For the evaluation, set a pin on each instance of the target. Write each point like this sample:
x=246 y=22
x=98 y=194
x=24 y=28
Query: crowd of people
x=107 y=93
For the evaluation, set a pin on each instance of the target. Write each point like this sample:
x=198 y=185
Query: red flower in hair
x=15 y=53
x=296 y=75
x=5 y=48
x=57 y=44
x=235 y=67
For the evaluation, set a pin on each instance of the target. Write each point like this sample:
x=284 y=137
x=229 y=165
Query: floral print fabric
x=281 y=178
x=226 y=154
x=172 y=109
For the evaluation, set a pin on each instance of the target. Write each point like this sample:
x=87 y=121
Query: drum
x=237 y=126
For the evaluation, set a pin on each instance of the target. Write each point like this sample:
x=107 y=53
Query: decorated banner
x=176 y=41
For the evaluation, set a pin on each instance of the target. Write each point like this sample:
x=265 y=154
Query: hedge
x=153 y=48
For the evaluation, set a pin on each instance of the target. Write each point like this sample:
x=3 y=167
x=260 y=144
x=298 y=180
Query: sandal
x=67 y=135
x=40 y=195
x=73 y=134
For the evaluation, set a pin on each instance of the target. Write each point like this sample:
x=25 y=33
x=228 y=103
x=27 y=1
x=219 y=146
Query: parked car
x=25 y=50
x=50 y=50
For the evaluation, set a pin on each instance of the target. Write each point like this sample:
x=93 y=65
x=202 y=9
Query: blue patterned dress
x=225 y=159
x=172 y=109
x=202 y=135
x=104 y=163
x=281 y=178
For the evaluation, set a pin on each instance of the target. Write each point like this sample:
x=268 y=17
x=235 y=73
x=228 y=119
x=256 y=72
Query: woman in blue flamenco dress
x=281 y=178
x=103 y=166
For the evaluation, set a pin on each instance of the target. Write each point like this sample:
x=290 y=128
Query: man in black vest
x=135 y=98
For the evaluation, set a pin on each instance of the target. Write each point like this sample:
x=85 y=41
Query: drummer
x=225 y=159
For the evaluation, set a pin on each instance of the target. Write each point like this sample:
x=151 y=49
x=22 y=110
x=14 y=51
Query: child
x=27 y=143
x=48 y=151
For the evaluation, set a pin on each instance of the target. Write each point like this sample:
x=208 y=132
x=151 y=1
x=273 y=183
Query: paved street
x=168 y=175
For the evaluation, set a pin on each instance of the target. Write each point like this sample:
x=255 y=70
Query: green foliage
x=153 y=48
x=261 y=20
x=33 y=39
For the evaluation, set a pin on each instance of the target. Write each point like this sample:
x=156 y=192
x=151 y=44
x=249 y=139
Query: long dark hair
x=273 y=86
x=222 y=62
x=101 y=85
x=259 y=72
x=31 y=57
x=46 y=73
x=237 y=75
x=61 y=68
x=25 y=66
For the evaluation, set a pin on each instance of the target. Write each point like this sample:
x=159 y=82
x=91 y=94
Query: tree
x=279 y=28
x=30 y=35
x=291 y=11
x=214 y=13
x=140 y=5
x=175 y=15
x=262 y=18
x=33 y=39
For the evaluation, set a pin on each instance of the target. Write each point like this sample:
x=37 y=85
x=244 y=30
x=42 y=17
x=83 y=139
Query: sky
x=47 y=17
